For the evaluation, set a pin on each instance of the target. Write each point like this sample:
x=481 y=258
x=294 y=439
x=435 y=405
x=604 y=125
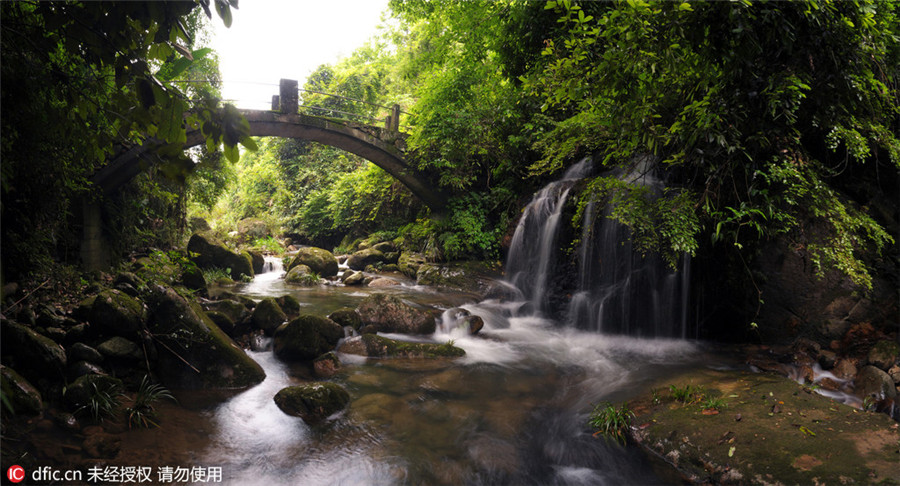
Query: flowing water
x=514 y=410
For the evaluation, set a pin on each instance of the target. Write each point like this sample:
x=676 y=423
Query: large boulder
x=34 y=355
x=23 y=396
x=196 y=353
x=301 y=275
x=346 y=317
x=884 y=354
x=363 y=258
x=306 y=338
x=875 y=383
x=387 y=313
x=117 y=313
x=289 y=304
x=312 y=402
x=321 y=262
x=268 y=316
x=213 y=254
x=234 y=310
x=409 y=263
x=258 y=261
x=374 y=346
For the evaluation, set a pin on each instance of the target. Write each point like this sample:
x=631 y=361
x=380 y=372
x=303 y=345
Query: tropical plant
x=686 y=394
x=103 y=402
x=142 y=413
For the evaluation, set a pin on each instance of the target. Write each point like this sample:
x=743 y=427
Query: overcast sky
x=273 y=39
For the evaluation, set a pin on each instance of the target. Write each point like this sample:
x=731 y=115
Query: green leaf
x=224 y=12
x=232 y=153
x=250 y=144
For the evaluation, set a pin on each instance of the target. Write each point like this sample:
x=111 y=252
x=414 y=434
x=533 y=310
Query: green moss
x=379 y=346
x=312 y=402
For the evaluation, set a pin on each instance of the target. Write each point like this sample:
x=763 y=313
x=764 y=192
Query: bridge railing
x=288 y=101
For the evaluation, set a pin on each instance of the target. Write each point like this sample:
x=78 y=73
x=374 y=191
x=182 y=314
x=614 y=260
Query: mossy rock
x=375 y=346
x=236 y=311
x=222 y=320
x=289 y=304
x=385 y=247
x=117 y=313
x=78 y=393
x=884 y=354
x=773 y=431
x=301 y=275
x=363 y=258
x=192 y=278
x=257 y=260
x=119 y=348
x=197 y=354
x=346 y=317
x=36 y=356
x=214 y=254
x=306 y=338
x=321 y=262
x=409 y=263
x=466 y=276
x=353 y=277
x=327 y=365
x=387 y=313
x=23 y=397
x=312 y=402
x=268 y=316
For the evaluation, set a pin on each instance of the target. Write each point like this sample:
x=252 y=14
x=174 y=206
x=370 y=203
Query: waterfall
x=618 y=291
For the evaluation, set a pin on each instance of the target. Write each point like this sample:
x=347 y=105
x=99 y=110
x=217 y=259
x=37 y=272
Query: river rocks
x=258 y=261
x=81 y=368
x=386 y=313
x=267 y=316
x=196 y=353
x=374 y=346
x=363 y=258
x=327 y=365
x=38 y=357
x=83 y=352
x=225 y=323
x=473 y=324
x=301 y=275
x=212 y=254
x=346 y=317
x=313 y=402
x=117 y=313
x=121 y=349
x=382 y=282
x=321 y=262
x=306 y=338
x=235 y=311
x=875 y=383
x=409 y=263
x=467 y=276
x=353 y=277
x=22 y=395
x=884 y=354
x=289 y=305
x=78 y=394
x=192 y=278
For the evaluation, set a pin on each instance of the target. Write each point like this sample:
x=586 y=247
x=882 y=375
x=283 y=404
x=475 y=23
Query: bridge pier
x=94 y=248
x=288 y=96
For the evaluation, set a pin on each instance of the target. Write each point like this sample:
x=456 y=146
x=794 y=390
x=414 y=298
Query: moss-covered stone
x=197 y=354
x=346 y=317
x=214 y=254
x=192 y=278
x=289 y=304
x=268 y=316
x=313 y=402
x=773 y=431
x=223 y=321
x=321 y=262
x=327 y=365
x=301 y=275
x=363 y=258
x=258 y=261
x=36 y=356
x=78 y=393
x=353 y=277
x=22 y=395
x=387 y=313
x=306 y=338
x=236 y=311
x=117 y=313
x=119 y=348
x=466 y=276
x=374 y=346
x=884 y=354
x=410 y=262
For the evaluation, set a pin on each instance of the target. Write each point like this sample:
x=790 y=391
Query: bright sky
x=273 y=39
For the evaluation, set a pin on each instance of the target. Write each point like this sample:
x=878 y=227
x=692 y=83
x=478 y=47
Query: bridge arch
x=380 y=150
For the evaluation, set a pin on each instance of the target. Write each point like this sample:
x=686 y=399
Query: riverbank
x=765 y=429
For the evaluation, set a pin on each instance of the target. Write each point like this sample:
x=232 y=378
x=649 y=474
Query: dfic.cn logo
x=15 y=474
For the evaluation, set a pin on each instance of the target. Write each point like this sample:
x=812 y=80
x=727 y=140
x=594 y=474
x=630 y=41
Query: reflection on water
x=513 y=411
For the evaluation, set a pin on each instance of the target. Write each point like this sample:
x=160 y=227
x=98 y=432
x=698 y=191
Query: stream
x=514 y=410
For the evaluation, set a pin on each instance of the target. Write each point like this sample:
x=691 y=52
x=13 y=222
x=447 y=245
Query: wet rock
x=78 y=393
x=223 y=321
x=258 y=261
x=346 y=317
x=845 y=368
x=117 y=314
x=321 y=262
x=894 y=371
x=78 y=332
x=192 y=278
x=827 y=359
x=466 y=276
x=81 y=368
x=67 y=422
x=327 y=365
x=213 y=254
x=387 y=313
x=385 y=247
x=268 y=316
x=352 y=277
x=884 y=354
x=874 y=382
x=197 y=354
x=22 y=395
x=38 y=357
x=474 y=324
x=120 y=348
x=83 y=352
x=409 y=263
x=363 y=258
x=129 y=279
x=82 y=311
x=306 y=338
x=313 y=402
x=374 y=346
x=289 y=304
x=301 y=275
x=235 y=311
x=383 y=282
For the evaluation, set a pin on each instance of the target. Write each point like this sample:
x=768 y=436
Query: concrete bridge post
x=395 y=118
x=94 y=249
x=289 y=95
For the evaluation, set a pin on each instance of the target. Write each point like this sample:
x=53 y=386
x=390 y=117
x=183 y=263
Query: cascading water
x=618 y=290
